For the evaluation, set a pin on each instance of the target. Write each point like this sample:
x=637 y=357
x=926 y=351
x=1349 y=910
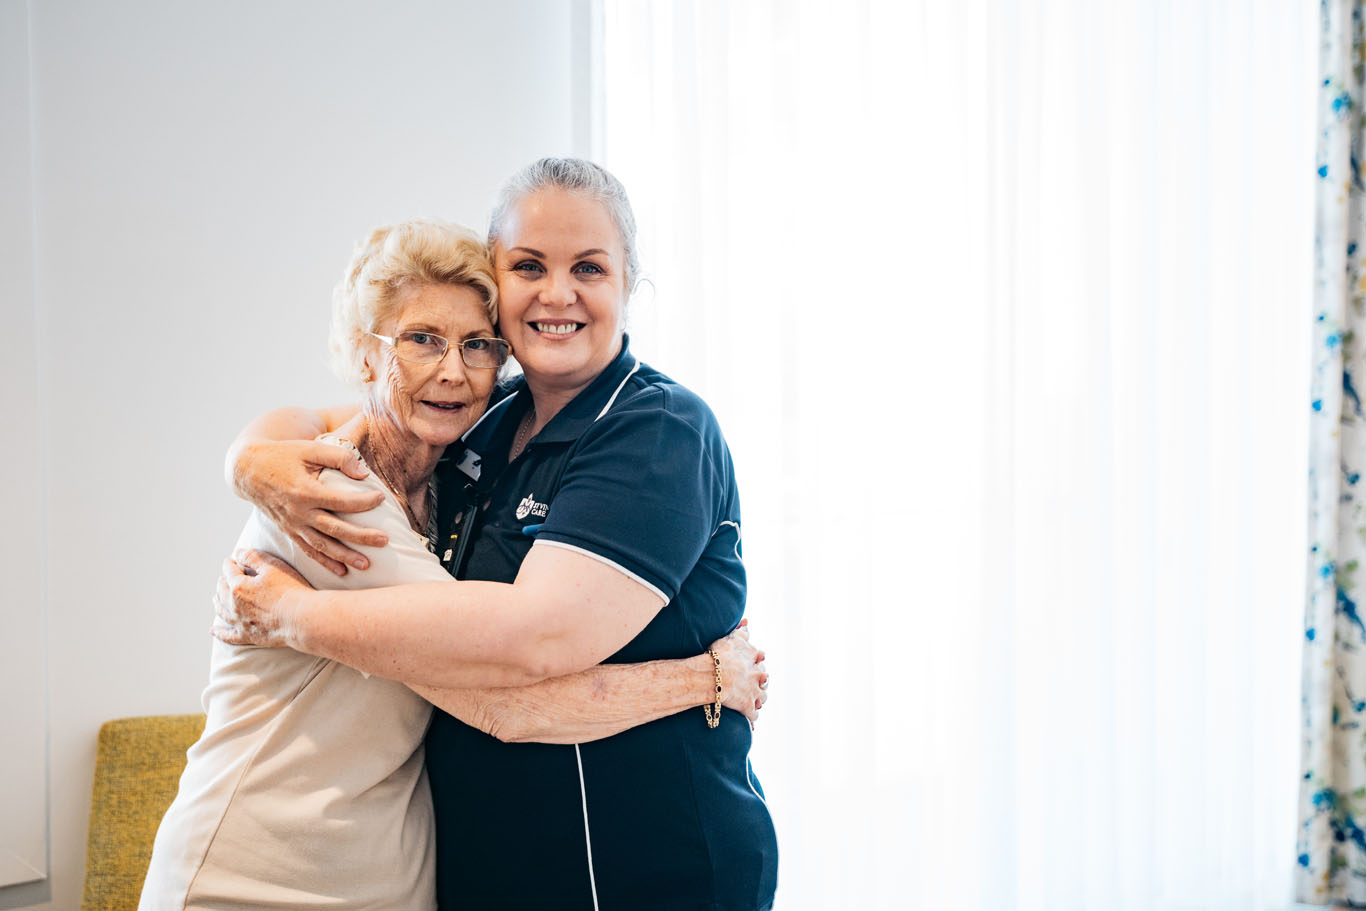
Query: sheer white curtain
x=1004 y=309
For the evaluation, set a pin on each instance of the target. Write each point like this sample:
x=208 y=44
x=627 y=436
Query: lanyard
x=478 y=485
x=461 y=533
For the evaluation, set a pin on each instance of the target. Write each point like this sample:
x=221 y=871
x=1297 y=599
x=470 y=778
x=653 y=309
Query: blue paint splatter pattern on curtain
x=1331 y=851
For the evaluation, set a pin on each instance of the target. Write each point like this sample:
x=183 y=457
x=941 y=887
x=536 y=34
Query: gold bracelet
x=714 y=720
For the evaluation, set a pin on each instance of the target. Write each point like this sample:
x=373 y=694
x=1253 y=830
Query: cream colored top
x=307 y=789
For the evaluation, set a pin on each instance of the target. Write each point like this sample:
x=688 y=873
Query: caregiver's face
x=561 y=287
x=434 y=402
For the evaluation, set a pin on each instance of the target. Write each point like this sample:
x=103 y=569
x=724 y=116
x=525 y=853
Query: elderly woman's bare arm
x=274 y=463
x=565 y=613
x=611 y=698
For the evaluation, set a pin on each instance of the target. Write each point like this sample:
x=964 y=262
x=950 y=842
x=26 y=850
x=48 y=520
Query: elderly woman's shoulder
x=339 y=480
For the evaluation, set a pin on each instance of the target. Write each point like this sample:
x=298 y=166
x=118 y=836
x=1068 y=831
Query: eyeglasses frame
x=392 y=342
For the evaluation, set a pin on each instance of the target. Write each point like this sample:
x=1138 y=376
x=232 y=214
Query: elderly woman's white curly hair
x=421 y=251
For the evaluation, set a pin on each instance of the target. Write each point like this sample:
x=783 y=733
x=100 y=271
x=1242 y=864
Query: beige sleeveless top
x=307 y=789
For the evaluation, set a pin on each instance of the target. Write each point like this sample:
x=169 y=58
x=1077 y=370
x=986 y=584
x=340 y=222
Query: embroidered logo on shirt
x=529 y=507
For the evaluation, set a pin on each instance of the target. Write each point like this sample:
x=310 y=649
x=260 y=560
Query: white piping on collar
x=605 y=408
x=489 y=411
x=613 y=399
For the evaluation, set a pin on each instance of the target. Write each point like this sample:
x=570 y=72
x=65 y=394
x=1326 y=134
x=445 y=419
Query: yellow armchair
x=137 y=772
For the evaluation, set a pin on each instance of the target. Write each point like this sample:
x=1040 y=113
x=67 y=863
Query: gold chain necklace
x=520 y=440
x=368 y=456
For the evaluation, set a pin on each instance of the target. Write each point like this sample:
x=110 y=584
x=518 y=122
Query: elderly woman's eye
x=420 y=344
x=590 y=269
x=527 y=265
x=477 y=344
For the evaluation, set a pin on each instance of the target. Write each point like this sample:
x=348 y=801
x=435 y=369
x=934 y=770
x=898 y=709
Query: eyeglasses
x=417 y=347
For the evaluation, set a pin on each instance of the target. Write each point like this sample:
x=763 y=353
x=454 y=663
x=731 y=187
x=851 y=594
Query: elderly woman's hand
x=253 y=598
x=282 y=479
x=744 y=677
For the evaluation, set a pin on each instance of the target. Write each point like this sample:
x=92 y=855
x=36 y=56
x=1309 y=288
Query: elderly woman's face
x=435 y=402
x=561 y=286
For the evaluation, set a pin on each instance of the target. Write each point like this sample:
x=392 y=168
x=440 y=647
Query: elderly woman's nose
x=452 y=367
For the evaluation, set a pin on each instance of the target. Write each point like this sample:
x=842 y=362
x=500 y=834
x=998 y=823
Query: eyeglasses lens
x=484 y=352
x=420 y=347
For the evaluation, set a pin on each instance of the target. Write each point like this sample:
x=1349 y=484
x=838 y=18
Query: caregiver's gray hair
x=574 y=175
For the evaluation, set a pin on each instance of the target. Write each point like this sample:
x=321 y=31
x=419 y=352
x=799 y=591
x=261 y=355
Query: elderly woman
x=596 y=503
x=308 y=788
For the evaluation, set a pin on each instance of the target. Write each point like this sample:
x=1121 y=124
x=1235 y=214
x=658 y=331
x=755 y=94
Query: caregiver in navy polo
x=599 y=505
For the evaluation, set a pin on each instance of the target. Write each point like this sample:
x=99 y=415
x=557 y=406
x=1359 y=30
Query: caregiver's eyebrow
x=594 y=251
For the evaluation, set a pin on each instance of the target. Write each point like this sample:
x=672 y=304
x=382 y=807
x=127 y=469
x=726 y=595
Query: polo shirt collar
x=573 y=419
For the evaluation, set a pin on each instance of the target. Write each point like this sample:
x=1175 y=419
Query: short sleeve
x=641 y=492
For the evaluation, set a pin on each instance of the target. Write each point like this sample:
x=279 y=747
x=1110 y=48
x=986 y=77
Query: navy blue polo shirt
x=633 y=472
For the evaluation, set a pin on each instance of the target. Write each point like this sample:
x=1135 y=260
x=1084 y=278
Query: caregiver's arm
x=275 y=462
x=611 y=698
x=564 y=613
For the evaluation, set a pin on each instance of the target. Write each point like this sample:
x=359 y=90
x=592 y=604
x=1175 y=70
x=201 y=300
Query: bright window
x=1004 y=307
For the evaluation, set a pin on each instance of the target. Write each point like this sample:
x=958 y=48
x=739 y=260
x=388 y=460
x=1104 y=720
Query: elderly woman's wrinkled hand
x=282 y=479
x=252 y=599
x=743 y=673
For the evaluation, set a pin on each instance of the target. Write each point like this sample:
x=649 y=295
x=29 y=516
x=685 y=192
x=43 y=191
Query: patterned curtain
x=1332 y=841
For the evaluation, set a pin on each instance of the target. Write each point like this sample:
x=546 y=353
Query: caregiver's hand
x=282 y=479
x=253 y=598
x=744 y=677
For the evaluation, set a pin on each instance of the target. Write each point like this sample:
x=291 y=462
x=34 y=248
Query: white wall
x=23 y=708
x=199 y=175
